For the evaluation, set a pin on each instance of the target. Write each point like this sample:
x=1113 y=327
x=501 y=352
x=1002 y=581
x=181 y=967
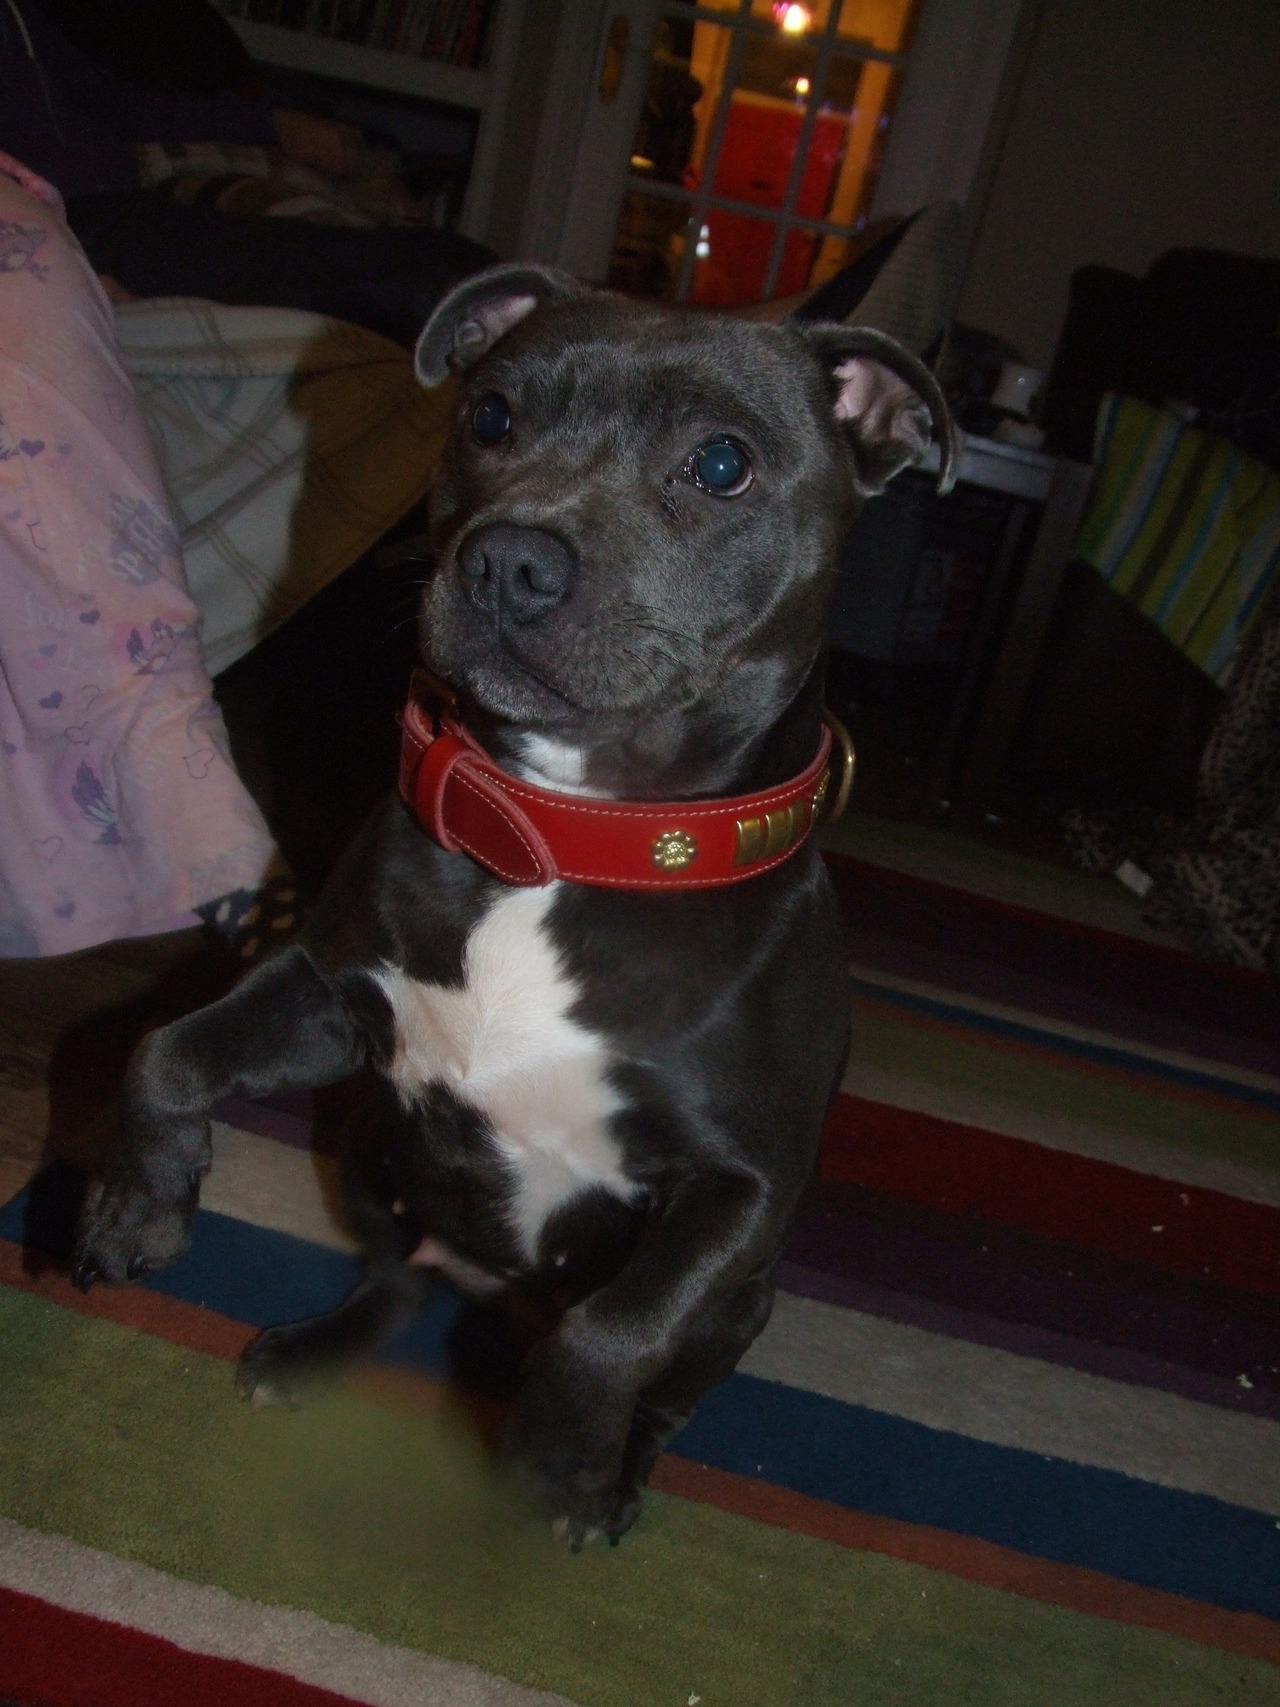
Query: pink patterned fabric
x=120 y=810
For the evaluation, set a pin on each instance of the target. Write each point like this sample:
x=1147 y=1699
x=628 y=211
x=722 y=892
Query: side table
x=1017 y=602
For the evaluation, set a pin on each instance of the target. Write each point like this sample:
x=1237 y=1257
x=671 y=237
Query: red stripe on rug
x=976 y=1561
x=132 y=1306
x=50 y=1657
x=967 y=1171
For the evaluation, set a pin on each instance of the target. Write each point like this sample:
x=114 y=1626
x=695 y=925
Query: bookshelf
x=380 y=67
x=453 y=31
x=483 y=87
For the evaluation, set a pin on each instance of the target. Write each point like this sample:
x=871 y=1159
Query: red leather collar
x=528 y=835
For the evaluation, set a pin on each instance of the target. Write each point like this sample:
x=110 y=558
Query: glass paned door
x=758 y=145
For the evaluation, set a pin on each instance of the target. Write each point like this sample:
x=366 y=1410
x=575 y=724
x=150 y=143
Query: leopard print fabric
x=1215 y=881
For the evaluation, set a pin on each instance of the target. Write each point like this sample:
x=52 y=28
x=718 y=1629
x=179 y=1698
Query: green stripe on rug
x=892 y=1041
x=391 y=1522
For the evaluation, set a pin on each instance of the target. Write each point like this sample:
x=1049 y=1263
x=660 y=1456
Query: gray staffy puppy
x=589 y=965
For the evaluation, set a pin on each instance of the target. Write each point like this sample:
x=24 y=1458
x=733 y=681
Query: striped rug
x=1012 y=1435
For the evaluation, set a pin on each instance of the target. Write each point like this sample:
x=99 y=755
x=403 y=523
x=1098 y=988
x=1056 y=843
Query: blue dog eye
x=722 y=467
x=491 y=419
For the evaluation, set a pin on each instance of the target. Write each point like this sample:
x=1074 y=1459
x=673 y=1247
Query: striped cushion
x=1184 y=525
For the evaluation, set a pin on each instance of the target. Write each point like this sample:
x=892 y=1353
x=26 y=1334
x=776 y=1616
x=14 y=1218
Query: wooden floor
x=67 y=1026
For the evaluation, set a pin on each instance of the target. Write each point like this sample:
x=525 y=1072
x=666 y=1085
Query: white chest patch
x=554 y=764
x=505 y=1045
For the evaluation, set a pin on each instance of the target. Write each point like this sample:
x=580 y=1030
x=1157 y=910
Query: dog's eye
x=491 y=418
x=722 y=467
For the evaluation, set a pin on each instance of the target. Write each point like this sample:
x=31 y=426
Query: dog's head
x=636 y=521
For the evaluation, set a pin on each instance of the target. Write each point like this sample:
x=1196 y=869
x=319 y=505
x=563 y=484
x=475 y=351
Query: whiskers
x=638 y=658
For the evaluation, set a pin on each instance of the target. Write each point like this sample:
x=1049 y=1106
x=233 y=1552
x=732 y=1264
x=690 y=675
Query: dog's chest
x=505 y=1044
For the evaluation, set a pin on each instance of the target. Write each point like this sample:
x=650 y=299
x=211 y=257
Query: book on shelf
x=451 y=30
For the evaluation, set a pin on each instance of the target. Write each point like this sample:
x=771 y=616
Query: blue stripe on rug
x=989 y=980
x=1183 y=1543
x=1105 y=1054
x=1188 y=1544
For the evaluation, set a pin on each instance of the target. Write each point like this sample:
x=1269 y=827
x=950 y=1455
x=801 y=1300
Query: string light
x=795 y=20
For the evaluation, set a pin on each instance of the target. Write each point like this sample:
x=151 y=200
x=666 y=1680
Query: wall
x=1137 y=126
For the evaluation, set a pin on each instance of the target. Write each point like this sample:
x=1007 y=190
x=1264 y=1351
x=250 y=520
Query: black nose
x=524 y=573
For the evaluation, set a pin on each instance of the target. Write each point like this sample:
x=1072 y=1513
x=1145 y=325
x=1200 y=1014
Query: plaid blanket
x=288 y=445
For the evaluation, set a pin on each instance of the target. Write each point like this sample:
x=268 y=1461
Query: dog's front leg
x=575 y=1414
x=282 y=1028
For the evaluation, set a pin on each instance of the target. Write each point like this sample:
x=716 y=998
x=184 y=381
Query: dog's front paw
x=285 y=1365
x=263 y=1380
x=128 y=1229
x=569 y=1458
x=583 y=1505
x=605 y=1516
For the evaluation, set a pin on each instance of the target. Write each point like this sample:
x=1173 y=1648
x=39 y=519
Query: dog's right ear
x=468 y=322
x=888 y=403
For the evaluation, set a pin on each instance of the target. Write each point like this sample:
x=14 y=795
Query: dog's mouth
x=509 y=687
x=498 y=667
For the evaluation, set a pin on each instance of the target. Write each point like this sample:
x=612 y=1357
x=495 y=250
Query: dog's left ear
x=888 y=402
x=468 y=322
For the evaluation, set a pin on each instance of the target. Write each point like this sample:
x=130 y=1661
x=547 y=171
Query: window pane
x=776 y=74
x=759 y=146
x=798 y=257
x=778 y=67
x=675 y=115
x=649 y=246
x=844 y=74
x=792 y=21
x=853 y=183
x=732 y=258
x=885 y=24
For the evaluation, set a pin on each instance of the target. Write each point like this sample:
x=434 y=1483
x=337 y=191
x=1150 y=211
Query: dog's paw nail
x=578 y=1535
x=138 y=1268
x=86 y=1272
x=268 y=1395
